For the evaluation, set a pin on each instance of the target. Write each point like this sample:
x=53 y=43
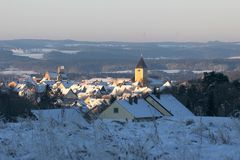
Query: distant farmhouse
x=130 y=110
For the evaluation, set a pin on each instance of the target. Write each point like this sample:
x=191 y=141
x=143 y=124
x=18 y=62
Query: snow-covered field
x=38 y=53
x=169 y=71
x=167 y=138
x=16 y=71
x=235 y=57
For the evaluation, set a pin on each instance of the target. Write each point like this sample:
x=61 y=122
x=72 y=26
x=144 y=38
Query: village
x=109 y=118
x=123 y=99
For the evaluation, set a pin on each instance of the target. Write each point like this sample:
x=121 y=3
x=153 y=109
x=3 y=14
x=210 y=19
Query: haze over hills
x=84 y=56
x=175 y=50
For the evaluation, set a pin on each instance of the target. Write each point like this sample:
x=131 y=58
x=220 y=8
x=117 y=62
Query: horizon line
x=114 y=41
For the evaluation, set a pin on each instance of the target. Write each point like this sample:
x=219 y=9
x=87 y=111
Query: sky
x=121 y=20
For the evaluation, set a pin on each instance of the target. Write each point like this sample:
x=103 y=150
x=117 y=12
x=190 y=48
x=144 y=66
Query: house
x=76 y=87
x=93 y=102
x=120 y=81
x=54 y=76
x=69 y=98
x=40 y=88
x=168 y=105
x=120 y=90
x=12 y=84
x=98 y=81
x=132 y=109
x=50 y=76
x=82 y=95
x=50 y=83
x=166 y=85
x=37 y=77
x=142 y=90
x=61 y=69
x=64 y=84
x=95 y=90
x=68 y=93
x=19 y=87
x=71 y=114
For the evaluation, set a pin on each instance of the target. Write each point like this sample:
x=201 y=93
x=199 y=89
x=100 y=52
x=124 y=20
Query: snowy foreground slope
x=167 y=138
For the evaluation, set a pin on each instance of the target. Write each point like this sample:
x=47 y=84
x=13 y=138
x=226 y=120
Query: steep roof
x=67 y=84
x=53 y=75
x=169 y=102
x=140 y=110
x=141 y=63
x=19 y=87
x=49 y=82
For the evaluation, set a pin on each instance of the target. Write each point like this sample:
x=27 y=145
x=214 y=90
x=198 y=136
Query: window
x=115 y=110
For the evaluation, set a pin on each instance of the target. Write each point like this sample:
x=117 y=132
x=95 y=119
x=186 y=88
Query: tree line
x=211 y=95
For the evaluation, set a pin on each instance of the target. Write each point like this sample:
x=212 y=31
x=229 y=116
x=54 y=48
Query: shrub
x=12 y=106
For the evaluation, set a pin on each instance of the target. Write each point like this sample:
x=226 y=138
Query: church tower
x=141 y=74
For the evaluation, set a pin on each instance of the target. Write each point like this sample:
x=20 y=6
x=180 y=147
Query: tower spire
x=141 y=63
x=141 y=51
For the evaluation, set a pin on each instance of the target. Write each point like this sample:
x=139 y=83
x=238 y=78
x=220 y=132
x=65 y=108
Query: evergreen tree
x=211 y=105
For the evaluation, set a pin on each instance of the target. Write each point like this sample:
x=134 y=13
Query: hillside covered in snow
x=68 y=137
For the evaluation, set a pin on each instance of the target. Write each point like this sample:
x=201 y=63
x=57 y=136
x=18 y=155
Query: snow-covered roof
x=49 y=82
x=140 y=110
x=99 y=80
x=67 y=84
x=136 y=84
x=118 y=91
x=53 y=75
x=30 y=80
x=65 y=91
x=64 y=76
x=169 y=102
x=142 y=90
x=90 y=88
x=82 y=95
x=166 y=85
x=40 y=88
x=71 y=114
x=121 y=81
x=95 y=102
x=19 y=87
x=76 y=86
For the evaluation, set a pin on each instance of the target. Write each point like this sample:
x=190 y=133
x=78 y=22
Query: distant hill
x=83 y=56
x=176 y=50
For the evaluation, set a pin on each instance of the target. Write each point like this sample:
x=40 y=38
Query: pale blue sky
x=121 y=20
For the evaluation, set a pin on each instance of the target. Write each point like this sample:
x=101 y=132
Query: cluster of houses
x=105 y=98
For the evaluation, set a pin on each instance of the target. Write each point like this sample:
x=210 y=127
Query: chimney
x=158 y=95
x=154 y=91
x=135 y=99
x=130 y=100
